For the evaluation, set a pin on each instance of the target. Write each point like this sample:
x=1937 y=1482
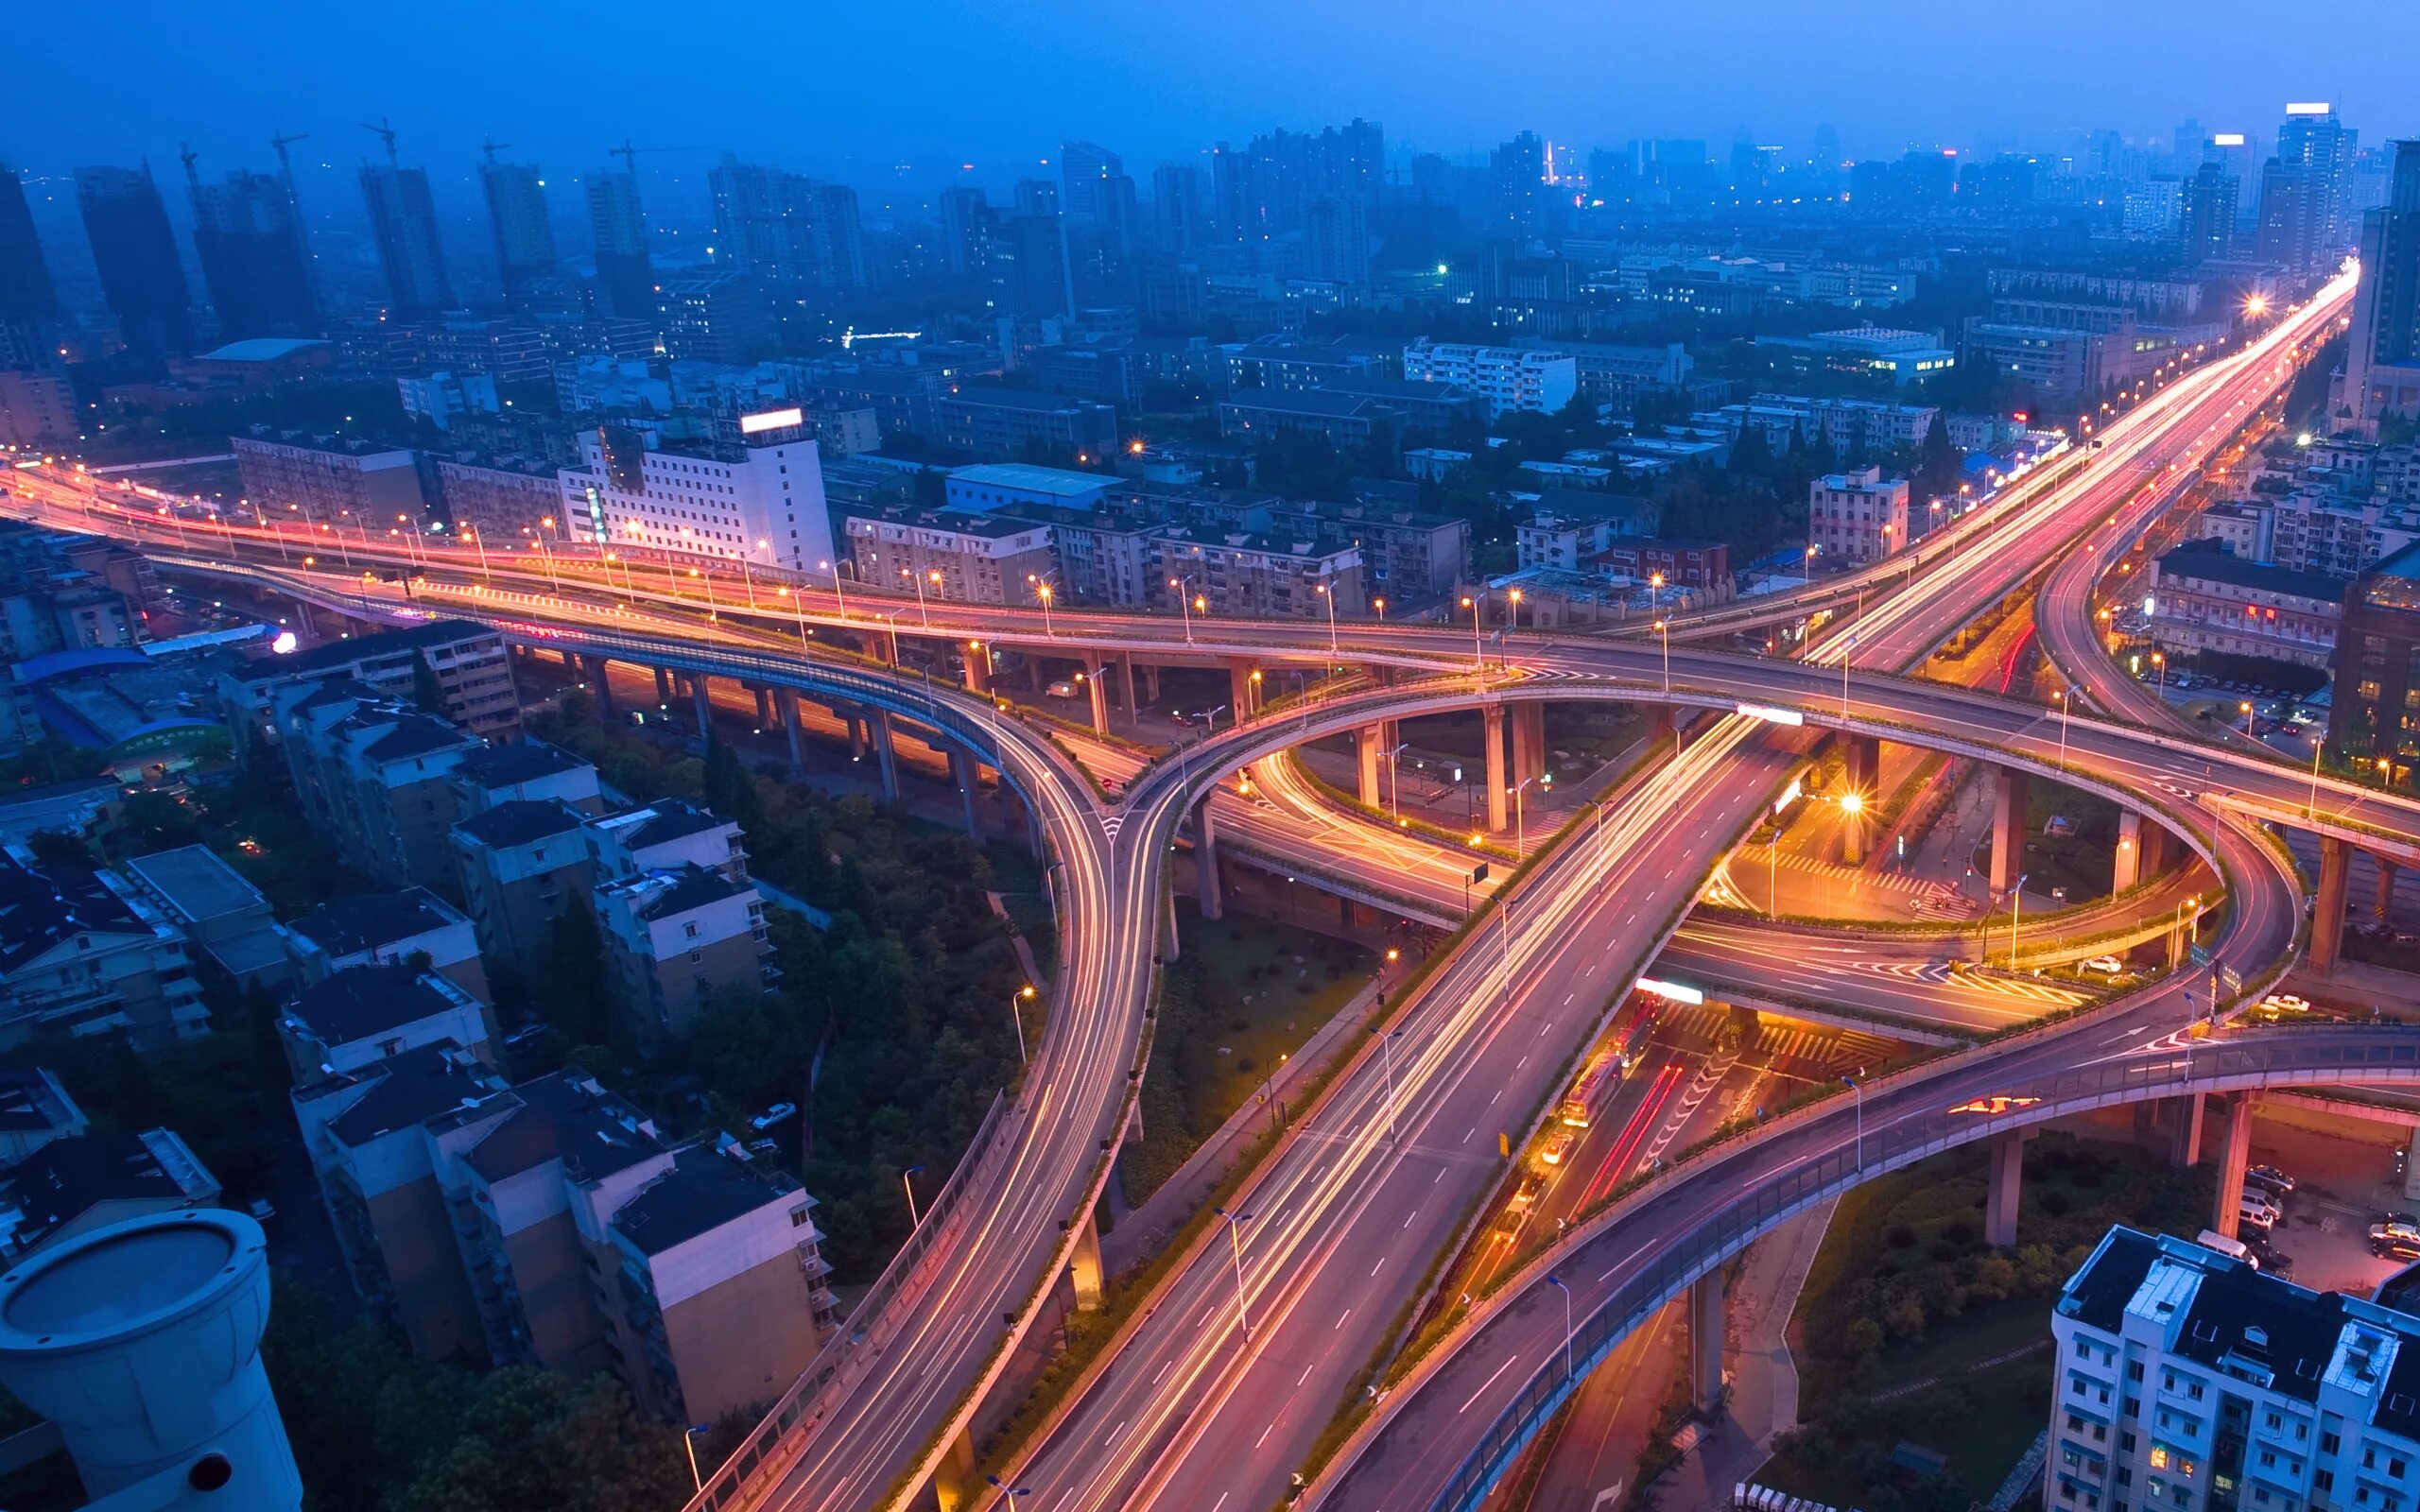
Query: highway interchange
x=1388 y=1169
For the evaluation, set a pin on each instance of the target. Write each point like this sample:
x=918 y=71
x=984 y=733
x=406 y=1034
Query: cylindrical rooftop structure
x=142 y=1342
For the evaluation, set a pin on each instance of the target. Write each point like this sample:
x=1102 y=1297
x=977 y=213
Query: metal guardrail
x=2285 y=1058
x=845 y=1358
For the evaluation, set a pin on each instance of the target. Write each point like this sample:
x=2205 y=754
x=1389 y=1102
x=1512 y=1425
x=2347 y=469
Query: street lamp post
x=2016 y=902
x=2318 y=744
x=1520 y=829
x=546 y=529
x=2063 y=697
x=1236 y=1253
x=839 y=599
x=1387 y=1058
x=1330 y=596
x=1856 y=1084
x=908 y=1184
x=1394 y=782
x=1185 y=603
x=689 y=1442
x=1017 y=1016
x=1664 y=633
x=1479 y=653
x=924 y=611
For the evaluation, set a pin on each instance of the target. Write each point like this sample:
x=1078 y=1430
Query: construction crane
x=279 y=144
x=491 y=147
x=385 y=131
x=628 y=154
x=186 y=155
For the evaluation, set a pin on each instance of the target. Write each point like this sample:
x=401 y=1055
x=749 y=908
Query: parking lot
x=2345 y=1171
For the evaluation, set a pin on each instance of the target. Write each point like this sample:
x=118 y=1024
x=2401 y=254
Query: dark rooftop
x=2200 y=561
x=526 y=760
x=372 y=920
x=31 y=1099
x=363 y=1001
x=337 y=656
x=38 y=911
x=2098 y=1294
x=64 y=1178
x=704 y=1190
x=565 y=1117
x=521 y=822
x=1019 y=399
x=407 y=1090
x=693 y=886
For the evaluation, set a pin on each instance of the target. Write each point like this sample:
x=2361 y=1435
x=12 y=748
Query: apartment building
x=1568 y=527
x=83 y=954
x=952 y=554
x=34 y=1111
x=1618 y=375
x=666 y=833
x=376 y=776
x=757 y=499
x=1003 y=422
x=2188 y=1381
x=1269 y=576
x=2206 y=600
x=474 y=674
x=522 y=863
x=337 y=482
x=1352 y=422
x=1857 y=517
x=502 y=500
x=376 y=928
x=227 y=924
x=1506 y=378
x=367 y=1013
x=674 y=937
x=1838 y=423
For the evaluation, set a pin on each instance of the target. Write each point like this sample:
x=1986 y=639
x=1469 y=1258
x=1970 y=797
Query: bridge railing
x=2289 y=1058
x=849 y=1353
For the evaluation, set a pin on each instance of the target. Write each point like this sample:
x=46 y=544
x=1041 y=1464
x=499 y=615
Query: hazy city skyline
x=1000 y=91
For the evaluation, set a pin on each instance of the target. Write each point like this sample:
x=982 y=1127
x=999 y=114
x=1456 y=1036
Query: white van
x=2258 y=1212
x=2232 y=1248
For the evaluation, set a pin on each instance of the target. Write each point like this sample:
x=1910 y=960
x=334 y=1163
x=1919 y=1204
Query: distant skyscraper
x=28 y=304
x=964 y=213
x=1520 y=169
x=136 y=257
x=787 y=229
x=1827 y=146
x=403 y=223
x=1336 y=239
x=2205 y=213
x=2382 y=360
x=2313 y=142
x=625 y=270
x=1083 y=169
x=250 y=240
x=525 y=238
x=2293 y=214
x=1176 y=210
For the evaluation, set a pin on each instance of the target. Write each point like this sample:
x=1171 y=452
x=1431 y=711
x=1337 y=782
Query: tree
x=427 y=693
x=574 y=994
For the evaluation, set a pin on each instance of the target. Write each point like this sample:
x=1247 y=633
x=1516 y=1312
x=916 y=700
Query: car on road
x=2269 y=1178
x=772 y=1116
x=2105 y=965
x=2286 y=1002
x=1557 y=1147
x=2232 y=1248
x=1062 y=690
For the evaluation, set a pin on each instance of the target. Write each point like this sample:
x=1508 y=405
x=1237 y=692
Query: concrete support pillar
x=763 y=707
x=2010 y=806
x=663 y=689
x=1034 y=676
x=2185 y=1131
x=1205 y=862
x=1862 y=764
x=856 y=723
x=880 y=646
x=1150 y=684
x=1368 y=744
x=1096 y=687
x=1528 y=741
x=979 y=669
x=1706 y=1344
x=701 y=703
x=2412 y=1167
x=1491 y=719
x=2129 y=869
x=305 y=618
x=789 y=723
x=2328 y=908
x=601 y=685
x=1083 y=1266
x=1240 y=688
x=967 y=773
x=2007 y=1187
x=890 y=758
x=1168 y=942
x=2386 y=887
x=2227 y=1202
x=954 y=1486
x=1126 y=683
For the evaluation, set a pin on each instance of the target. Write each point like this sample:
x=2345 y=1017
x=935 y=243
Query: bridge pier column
x=2327 y=908
x=1706 y=1344
x=2006 y=1192
x=1240 y=688
x=2010 y=806
x=1083 y=1266
x=2128 y=868
x=763 y=707
x=2184 y=1134
x=788 y=703
x=2411 y=1166
x=2386 y=886
x=954 y=1483
x=1205 y=862
x=883 y=752
x=1492 y=721
x=1861 y=772
x=1033 y=673
x=701 y=703
x=1151 y=683
x=309 y=621
x=1528 y=741
x=979 y=669
x=857 y=733
x=1169 y=942
x=600 y=685
x=967 y=773
x=663 y=689
x=1367 y=743
x=2154 y=843
x=2233 y=1157
x=1126 y=683
x=1100 y=696
x=879 y=645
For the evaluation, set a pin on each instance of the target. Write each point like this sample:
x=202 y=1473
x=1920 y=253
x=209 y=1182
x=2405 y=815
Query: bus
x=1604 y=1068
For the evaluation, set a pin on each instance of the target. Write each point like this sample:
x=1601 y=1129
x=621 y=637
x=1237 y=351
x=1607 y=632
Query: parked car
x=1062 y=690
x=2258 y=1212
x=2105 y=965
x=2286 y=1002
x=772 y=1116
x=2394 y=1246
x=2269 y=1178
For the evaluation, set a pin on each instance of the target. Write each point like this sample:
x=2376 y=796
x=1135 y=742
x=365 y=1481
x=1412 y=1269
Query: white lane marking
x=1484 y=1384
x=1340 y=1321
